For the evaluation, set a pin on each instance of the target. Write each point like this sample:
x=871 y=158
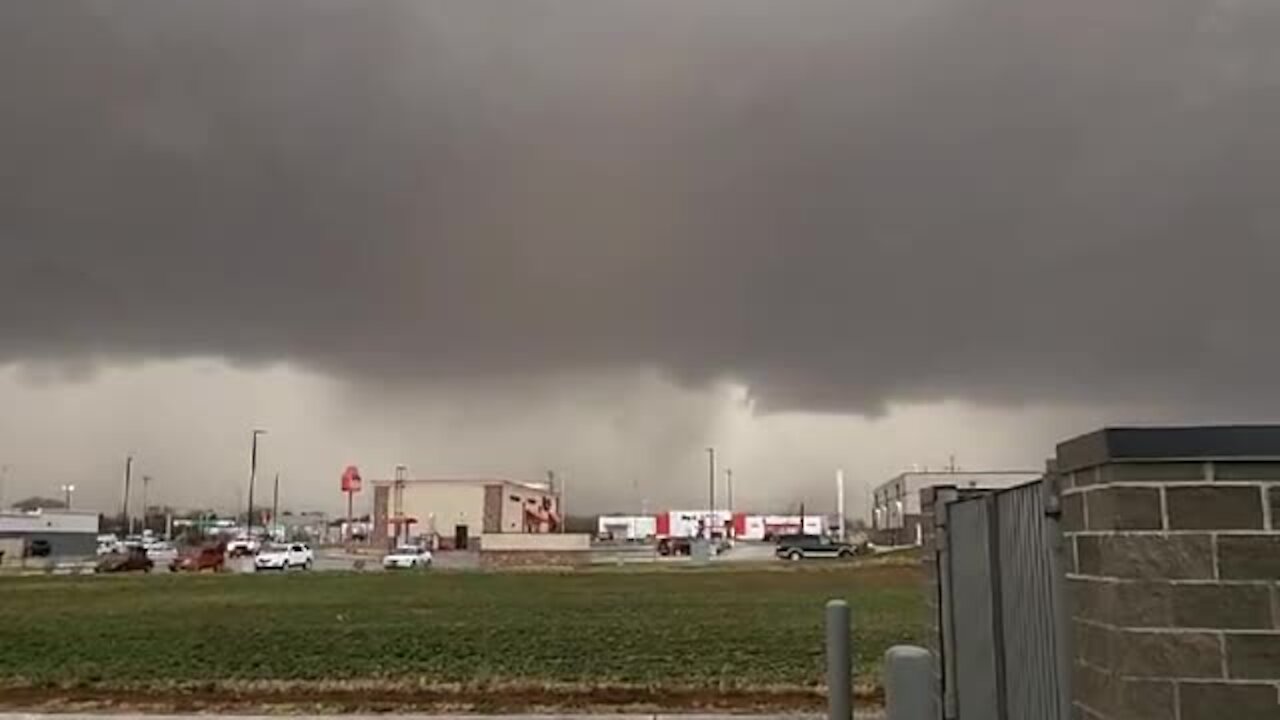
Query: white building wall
x=49 y=521
x=900 y=497
x=514 y=500
x=441 y=506
x=627 y=527
x=685 y=523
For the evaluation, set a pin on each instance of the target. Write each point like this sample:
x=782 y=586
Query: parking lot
x=337 y=559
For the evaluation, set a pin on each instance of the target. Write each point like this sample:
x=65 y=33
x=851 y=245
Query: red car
x=211 y=557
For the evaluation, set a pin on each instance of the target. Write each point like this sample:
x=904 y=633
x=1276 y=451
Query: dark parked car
x=39 y=548
x=801 y=547
x=675 y=546
x=133 y=560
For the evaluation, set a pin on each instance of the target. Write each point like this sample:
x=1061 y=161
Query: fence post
x=839 y=662
x=908 y=684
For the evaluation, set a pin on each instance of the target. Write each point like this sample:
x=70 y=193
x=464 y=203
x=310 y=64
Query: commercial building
x=455 y=513
x=770 y=527
x=627 y=527
x=55 y=533
x=895 y=514
x=693 y=524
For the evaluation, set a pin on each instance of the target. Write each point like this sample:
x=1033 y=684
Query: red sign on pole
x=351 y=480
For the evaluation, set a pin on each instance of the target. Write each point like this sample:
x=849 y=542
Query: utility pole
x=711 y=490
x=397 y=500
x=840 y=502
x=253 y=477
x=146 y=482
x=728 y=476
x=128 y=480
x=275 y=507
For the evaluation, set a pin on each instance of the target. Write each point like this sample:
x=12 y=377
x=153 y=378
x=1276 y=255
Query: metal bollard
x=908 y=684
x=839 y=662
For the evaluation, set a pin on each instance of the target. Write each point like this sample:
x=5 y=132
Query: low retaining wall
x=535 y=542
x=534 y=559
x=508 y=550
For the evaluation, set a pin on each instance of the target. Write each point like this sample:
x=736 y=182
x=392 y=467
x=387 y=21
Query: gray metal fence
x=1003 y=608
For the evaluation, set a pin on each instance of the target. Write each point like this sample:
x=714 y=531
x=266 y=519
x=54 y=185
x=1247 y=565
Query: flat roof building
x=65 y=533
x=456 y=512
x=895 y=508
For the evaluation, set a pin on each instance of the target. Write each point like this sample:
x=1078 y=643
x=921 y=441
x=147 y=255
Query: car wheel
x=795 y=555
x=306 y=565
x=846 y=555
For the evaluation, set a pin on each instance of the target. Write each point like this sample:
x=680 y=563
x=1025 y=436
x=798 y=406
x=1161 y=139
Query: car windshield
x=408 y=550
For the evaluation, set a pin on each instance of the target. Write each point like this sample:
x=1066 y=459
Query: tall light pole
x=67 y=490
x=146 y=483
x=253 y=477
x=840 y=503
x=126 y=526
x=397 y=500
x=711 y=490
x=275 y=507
x=728 y=478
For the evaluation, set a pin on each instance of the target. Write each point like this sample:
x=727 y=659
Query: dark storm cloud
x=836 y=203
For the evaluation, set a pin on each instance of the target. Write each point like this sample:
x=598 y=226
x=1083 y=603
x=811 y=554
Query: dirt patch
x=373 y=697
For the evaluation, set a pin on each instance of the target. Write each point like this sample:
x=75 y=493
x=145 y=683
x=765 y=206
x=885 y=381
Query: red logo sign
x=351 y=480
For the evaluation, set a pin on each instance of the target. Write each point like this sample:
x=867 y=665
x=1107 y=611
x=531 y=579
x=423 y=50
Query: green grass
x=700 y=629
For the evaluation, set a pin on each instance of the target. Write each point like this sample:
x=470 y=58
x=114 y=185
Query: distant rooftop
x=538 y=487
x=968 y=472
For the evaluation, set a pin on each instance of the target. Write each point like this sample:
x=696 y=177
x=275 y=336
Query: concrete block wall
x=1173 y=577
x=929 y=499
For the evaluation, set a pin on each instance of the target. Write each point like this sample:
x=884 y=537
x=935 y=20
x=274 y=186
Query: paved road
x=875 y=715
x=331 y=560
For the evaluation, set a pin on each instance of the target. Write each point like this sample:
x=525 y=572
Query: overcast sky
x=598 y=235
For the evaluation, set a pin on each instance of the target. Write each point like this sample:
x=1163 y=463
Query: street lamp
x=253 y=477
x=711 y=490
x=146 y=483
x=67 y=490
x=728 y=477
x=397 y=500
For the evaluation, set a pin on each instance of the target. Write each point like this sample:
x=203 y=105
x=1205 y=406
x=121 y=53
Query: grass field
x=448 y=639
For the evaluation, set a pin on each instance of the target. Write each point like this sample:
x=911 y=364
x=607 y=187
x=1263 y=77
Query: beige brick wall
x=1174 y=590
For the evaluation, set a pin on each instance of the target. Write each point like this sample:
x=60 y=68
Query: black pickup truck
x=802 y=547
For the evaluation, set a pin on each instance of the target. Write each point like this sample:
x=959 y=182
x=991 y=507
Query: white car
x=407 y=557
x=283 y=557
x=162 y=553
x=109 y=547
x=242 y=546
